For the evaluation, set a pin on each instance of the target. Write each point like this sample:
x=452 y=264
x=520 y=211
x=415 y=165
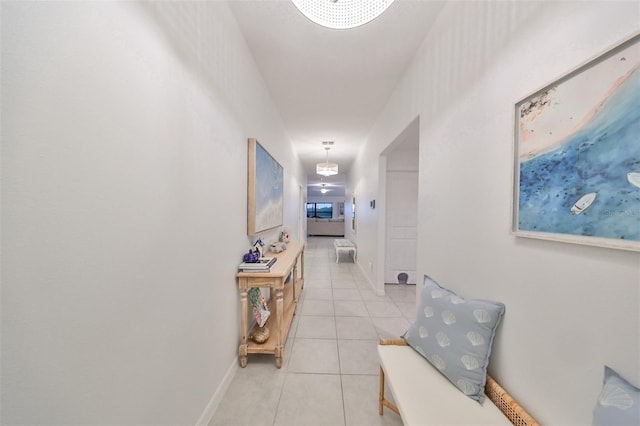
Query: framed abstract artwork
x=577 y=154
x=265 y=194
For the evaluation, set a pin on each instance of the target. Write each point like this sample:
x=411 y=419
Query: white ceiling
x=331 y=84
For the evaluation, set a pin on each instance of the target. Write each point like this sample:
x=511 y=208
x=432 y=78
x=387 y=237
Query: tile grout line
x=335 y=322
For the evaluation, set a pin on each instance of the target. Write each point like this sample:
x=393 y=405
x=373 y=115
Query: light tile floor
x=329 y=373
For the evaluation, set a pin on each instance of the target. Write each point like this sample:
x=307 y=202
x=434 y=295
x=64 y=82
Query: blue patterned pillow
x=455 y=335
x=618 y=402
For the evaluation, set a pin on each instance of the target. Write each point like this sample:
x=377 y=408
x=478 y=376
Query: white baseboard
x=207 y=414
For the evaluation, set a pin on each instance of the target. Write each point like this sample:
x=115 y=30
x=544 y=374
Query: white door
x=402 y=225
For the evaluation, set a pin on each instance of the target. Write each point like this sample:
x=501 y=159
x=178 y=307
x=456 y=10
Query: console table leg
x=244 y=347
x=302 y=266
x=279 y=322
x=243 y=352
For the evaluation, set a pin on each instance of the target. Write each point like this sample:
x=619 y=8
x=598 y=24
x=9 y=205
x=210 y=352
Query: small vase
x=260 y=334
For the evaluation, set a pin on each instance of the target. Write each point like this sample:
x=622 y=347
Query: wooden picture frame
x=577 y=154
x=265 y=190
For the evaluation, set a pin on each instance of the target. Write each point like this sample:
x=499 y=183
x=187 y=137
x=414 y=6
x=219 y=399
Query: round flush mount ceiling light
x=342 y=14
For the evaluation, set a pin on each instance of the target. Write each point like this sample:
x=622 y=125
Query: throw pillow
x=455 y=335
x=618 y=402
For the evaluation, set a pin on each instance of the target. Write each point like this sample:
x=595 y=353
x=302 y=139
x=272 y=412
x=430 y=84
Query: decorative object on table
x=260 y=334
x=252 y=256
x=284 y=237
x=260 y=308
x=265 y=193
x=259 y=246
x=577 y=155
x=277 y=247
x=261 y=265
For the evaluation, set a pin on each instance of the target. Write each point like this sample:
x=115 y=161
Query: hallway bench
x=423 y=396
x=346 y=246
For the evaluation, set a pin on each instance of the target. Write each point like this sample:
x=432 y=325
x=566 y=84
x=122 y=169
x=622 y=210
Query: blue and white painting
x=578 y=154
x=269 y=200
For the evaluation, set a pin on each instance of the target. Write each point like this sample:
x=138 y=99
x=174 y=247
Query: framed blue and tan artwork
x=265 y=197
x=577 y=154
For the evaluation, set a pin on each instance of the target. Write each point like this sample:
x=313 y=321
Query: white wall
x=570 y=308
x=124 y=155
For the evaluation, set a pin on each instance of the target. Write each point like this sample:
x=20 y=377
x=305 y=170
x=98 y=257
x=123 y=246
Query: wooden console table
x=282 y=303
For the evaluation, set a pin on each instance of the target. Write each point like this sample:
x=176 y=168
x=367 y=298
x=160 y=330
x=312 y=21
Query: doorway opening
x=400 y=224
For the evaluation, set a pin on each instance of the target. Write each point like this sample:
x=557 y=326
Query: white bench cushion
x=425 y=397
x=343 y=242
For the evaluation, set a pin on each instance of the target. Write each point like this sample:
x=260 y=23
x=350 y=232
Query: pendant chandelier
x=342 y=14
x=327 y=168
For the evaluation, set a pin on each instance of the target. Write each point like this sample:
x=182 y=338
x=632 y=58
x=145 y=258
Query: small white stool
x=344 y=245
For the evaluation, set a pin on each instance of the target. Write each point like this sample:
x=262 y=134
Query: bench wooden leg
x=382 y=401
x=381 y=391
